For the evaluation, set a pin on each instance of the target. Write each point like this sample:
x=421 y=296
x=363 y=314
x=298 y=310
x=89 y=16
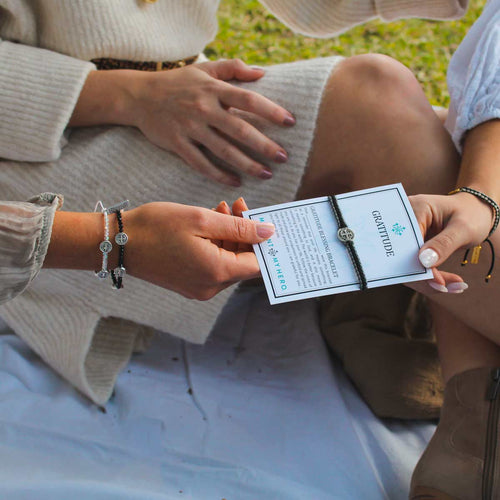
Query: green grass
x=248 y=31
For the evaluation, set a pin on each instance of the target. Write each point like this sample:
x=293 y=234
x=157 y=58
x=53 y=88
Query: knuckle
x=224 y=151
x=277 y=115
x=215 y=275
x=249 y=100
x=177 y=143
x=252 y=168
x=201 y=107
x=270 y=150
x=201 y=220
x=447 y=240
x=212 y=85
x=242 y=131
x=241 y=229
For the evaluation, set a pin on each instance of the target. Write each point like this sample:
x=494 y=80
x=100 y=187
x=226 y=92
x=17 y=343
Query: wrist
x=109 y=97
x=74 y=243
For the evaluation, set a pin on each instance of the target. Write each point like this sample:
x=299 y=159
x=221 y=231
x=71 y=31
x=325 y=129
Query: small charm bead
x=345 y=234
x=102 y=274
x=120 y=272
x=121 y=238
x=105 y=246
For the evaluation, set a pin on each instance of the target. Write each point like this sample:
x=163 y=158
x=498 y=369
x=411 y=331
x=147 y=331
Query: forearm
x=109 y=98
x=480 y=167
x=75 y=239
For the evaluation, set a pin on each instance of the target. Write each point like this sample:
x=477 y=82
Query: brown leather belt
x=107 y=63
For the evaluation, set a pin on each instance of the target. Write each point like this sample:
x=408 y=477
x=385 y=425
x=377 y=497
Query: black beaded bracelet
x=121 y=239
x=496 y=219
x=346 y=236
x=484 y=197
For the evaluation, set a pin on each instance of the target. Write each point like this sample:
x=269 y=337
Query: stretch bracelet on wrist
x=106 y=246
x=496 y=219
x=346 y=236
x=121 y=239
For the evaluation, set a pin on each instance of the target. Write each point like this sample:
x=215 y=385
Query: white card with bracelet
x=322 y=246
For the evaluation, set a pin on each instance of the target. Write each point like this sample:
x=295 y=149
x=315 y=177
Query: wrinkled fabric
x=474 y=75
x=25 y=229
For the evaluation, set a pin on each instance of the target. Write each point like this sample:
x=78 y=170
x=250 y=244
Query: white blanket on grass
x=259 y=412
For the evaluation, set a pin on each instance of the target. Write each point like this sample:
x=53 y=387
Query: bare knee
x=381 y=79
x=372 y=122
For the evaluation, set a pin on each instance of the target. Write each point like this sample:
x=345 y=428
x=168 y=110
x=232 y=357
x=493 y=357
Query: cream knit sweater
x=44 y=49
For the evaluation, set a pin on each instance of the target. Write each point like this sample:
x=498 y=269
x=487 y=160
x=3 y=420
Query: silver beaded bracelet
x=106 y=246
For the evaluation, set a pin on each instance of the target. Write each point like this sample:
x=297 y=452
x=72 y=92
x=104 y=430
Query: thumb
x=435 y=251
x=237 y=229
x=235 y=69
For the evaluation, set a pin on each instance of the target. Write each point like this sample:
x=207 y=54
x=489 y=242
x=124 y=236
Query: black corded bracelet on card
x=346 y=236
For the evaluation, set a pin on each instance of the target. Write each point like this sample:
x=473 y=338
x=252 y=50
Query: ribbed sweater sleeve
x=25 y=229
x=325 y=18
x=39 y=91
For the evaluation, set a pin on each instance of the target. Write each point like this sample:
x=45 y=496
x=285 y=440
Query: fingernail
x=428 y=257
x=281 y=157
x=289 y=120
x=265 y=229
x=457 y=287
x=437 y=286
x=224 y=203
x=258 y=68
x=265 y=174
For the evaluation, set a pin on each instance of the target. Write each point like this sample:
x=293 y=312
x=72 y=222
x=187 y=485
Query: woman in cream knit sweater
x=109 y=135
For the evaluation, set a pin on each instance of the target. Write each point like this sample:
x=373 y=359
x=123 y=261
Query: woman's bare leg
x=375 y=127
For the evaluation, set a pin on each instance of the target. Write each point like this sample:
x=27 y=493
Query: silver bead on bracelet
x=106 y=246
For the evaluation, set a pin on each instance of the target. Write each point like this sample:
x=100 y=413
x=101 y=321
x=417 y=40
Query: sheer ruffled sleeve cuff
x=25 y=230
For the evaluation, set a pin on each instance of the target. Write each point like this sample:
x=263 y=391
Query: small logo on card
x=272 y=252
x=398 y=229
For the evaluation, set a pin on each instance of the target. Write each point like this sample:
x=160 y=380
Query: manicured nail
x=457 y=287
x=281 y=157
x=289 y=120
x=265 y=174
x=437 y=286
x=265 y=229
x=428 y=257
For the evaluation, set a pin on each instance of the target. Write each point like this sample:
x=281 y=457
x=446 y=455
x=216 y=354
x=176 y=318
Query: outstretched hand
x=448 y=224
x=190 y=250
x=188 y=110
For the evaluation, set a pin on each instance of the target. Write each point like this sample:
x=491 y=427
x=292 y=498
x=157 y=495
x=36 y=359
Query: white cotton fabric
x=268 y=417
x=474 y=75
x=44 y=54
